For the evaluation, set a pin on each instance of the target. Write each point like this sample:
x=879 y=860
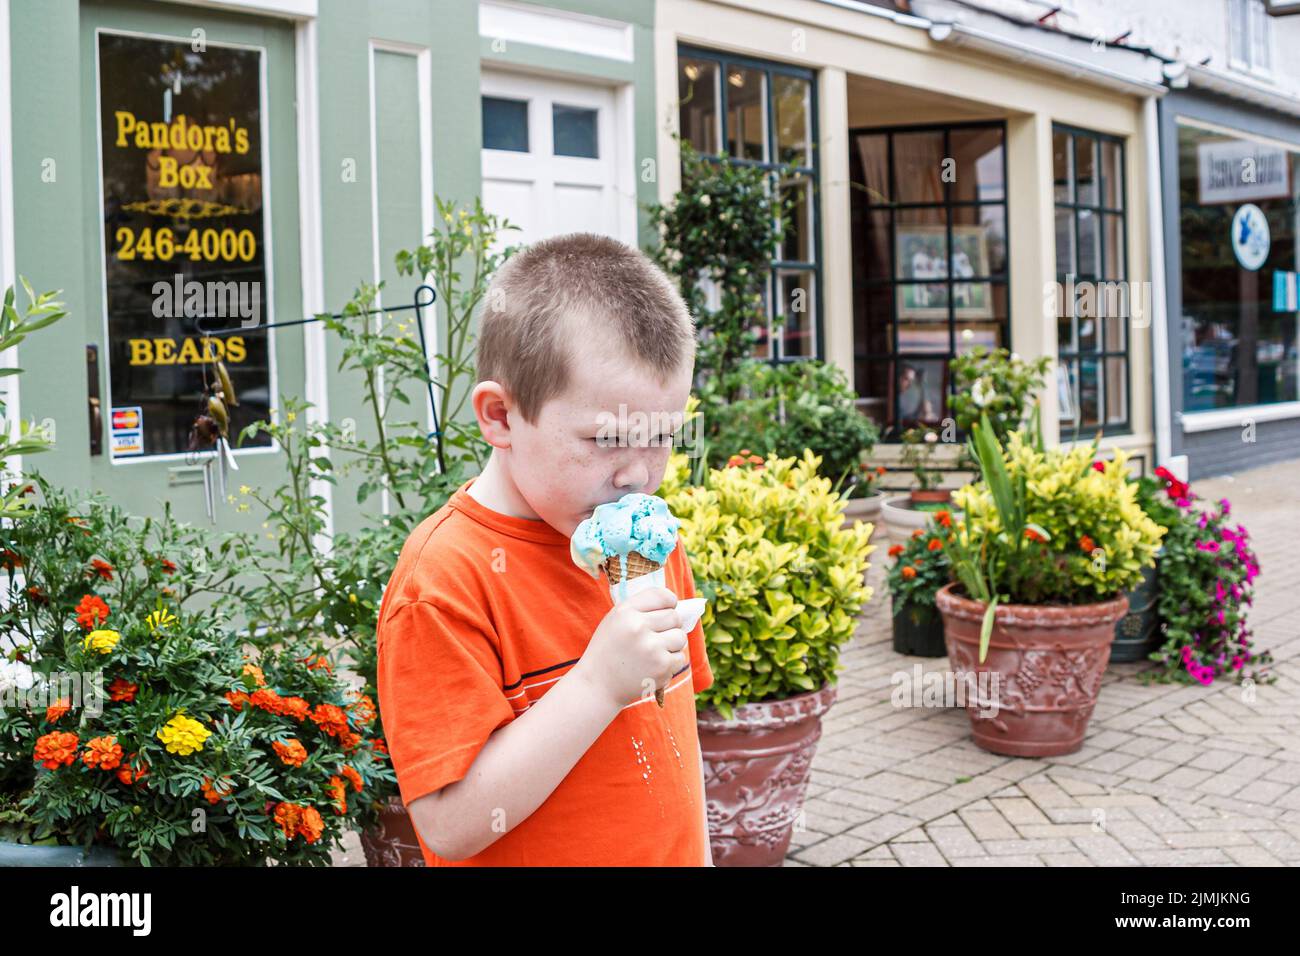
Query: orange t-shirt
x=483 y=614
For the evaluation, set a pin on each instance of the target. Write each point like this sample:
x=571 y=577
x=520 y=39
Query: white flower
x=706 y=200
x=15 y=675
x=967 y=334
x=931 y=437
x=982 y=394
x=1015 y=356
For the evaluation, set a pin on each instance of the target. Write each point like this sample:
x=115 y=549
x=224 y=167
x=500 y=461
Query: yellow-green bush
x=783 y=579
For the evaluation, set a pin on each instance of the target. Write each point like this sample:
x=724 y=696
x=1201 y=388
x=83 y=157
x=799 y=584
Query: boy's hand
x=637 y=647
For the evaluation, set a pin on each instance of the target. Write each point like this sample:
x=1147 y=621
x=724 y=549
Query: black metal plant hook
x=419 y=304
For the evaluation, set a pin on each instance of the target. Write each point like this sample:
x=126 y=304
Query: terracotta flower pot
x=392 y=841
x=1047 y=661
x=756 y=774
x=922 y=496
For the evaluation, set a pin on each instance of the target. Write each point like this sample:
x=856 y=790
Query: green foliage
x=794 y=407
x=997 y=383
x=921 y=565
x=919 y=446
x=783 y=579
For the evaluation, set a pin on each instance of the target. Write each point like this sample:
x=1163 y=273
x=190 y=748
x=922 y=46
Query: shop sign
x=1238 y=170
x=1250 y=236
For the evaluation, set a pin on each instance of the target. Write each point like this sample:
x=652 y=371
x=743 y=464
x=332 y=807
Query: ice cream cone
x=637 y=566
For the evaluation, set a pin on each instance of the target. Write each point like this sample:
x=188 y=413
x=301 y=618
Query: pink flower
x=1236 y=663
x=1227 y=506
x=1098 y=466
x=1207 y=545
x=1218 y=591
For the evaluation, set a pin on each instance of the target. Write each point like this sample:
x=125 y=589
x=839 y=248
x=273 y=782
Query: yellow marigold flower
x=183 y=735
x=159 y=619
x=244 y=489
x=102 y=641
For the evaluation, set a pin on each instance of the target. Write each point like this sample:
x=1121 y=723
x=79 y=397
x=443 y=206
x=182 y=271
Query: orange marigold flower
x=381 y=745
x=944 y=518
x=102 y=568
x=755 y=459
x=122 y=690
x=236 y=698
x=287 y=817
x=935 y=544
x=133 y=770
x=363 y=709
x=265 y=698
x=918 y=532
x=338 y=792
x=909 y=572
x=318 y=661
x=10 y=559
x=1087 y=544
x=37 y=595
x=352 y=774
x=744 y=451
x=1033 y=535
x=257 y=674
x=310 y=824
x=881 y=469
x=295 y=707
x=102 y=752
x=57 y=710
x=91 y=612
x=168 y=567
x=895 y=550
x=349 y=740
x=56 y=750
x=215 y=794
x=291 y=752
x=330 y=719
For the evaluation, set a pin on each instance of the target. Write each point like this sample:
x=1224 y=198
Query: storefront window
x=1237 y=209
x=1094 y=299
x=929 y=224
x=761 y=114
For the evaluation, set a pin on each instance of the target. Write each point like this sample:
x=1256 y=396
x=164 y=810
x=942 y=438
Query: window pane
x=505 y=124
x=792 y=103
x=979 y=242
x=1259 y=28
x=871 y=243
x=574 y=129
x=1114 y=226
x=796 y=243
x=763 y=348
x=873 y=315
x=918 y=166
x=1089 y=391
x=873 y=381
x=1065 y=341
x=697 y=88
x=1114 y=311
x=1089 y=243
x=1238 y=30
x=921 y=243
x=978 y=155
x=798 y=310
x=1116 y=391
x=1067 y=395
x=981 y=320
x=923 y=301
x=1112 y=171
x=746 y=114
x=921 y=335
x=1065 y=262
x=871 y=168
x=922 y=391
x=1085 y=171
x=1061 y=154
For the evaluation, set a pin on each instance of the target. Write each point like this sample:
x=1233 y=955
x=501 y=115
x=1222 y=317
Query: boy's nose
x=632 y=476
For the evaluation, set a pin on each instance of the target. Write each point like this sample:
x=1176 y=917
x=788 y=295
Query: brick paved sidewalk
x=1168 y=775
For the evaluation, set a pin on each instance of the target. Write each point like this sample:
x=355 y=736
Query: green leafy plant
x=995 y=383
x=1047 y=527
x=919 y=447
x=783 y=578
x=921 y=566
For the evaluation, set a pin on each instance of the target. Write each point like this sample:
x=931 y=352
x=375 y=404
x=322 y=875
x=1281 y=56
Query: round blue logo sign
x=1250 y=237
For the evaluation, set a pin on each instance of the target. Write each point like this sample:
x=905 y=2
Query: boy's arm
x=516 y=770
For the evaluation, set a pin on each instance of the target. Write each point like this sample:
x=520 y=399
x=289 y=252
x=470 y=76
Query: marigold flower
x=1086 y=544
x=10 y=559
x=909 y=572
x=352 y=774
x=944 y=518
x=256 y=671
x=102 y=752
x=267 y=699
x=291 y=752
x=37 y=595
x=1033 y=535
x=381 y=745
x=895 y=550
x=311 y=826
x=159 y=619
x=363 y=709
x=295 y=707
x=122 y=690
x=755 y=459
x=338 y=792
x=168 y=567
x=236 y=698
x=91 y=612
x=57 y=710
x=102 y=568
x=133 y=770
x=330 y=719
x=102 y=641
x=183 y=735
x=318 y=661
x=935 y=544
x=918 y=532
x=349 y=739
x=745 y=452
x=287 y=816
x=215 y=794
x=881 y=470
x=56 y=750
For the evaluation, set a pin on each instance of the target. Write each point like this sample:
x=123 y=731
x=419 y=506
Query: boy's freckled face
x=582 y=453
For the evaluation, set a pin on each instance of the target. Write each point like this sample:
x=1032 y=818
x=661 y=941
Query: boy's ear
x=492 y=406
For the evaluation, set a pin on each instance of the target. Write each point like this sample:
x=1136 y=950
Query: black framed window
x=760 y=113
x=1093 y=294
x=930 y=272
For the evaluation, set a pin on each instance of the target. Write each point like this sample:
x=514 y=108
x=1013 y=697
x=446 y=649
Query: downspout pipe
x=1159 y=303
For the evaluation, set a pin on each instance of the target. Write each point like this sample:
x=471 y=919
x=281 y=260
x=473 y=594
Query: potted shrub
x=904 y=514
x=920 y=568
x=1045 y=549
x=997 y=384
x=145 y=730
x=784 y=580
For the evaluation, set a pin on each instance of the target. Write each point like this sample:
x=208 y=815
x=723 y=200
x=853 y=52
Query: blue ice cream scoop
x=636 y=522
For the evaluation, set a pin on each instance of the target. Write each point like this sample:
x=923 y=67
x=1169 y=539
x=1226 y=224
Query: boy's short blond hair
x=580 y=284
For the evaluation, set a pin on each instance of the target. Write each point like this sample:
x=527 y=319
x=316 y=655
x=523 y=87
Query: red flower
x=1087 y=544
x=102 y=752
x=895 y=550
x=236 y=699
x=909 y=572
x=944 y=518
x=102 y=568
x=330 y=719
x=1098 y=466
x=291 y=752
x=319 y=661
x=122 y=690
x=55 y=711
x=880 y=470
x=91 y=612
x=38 y=596
x=935 y=544
x=10 y=560
x=1173 y=487
x=168 y=567
x=1033 y=535
x=133 y=770
x=918 y=533
x=352 y=774
x=56 y=750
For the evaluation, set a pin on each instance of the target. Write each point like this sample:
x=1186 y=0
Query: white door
x=553 y=152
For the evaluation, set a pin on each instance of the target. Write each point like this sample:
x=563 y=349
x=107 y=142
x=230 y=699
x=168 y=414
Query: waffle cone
x=637 y=566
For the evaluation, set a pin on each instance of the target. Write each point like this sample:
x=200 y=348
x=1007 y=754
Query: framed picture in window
x=922 y=256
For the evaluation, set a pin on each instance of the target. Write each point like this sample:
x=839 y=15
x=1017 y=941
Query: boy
x=518 y=706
